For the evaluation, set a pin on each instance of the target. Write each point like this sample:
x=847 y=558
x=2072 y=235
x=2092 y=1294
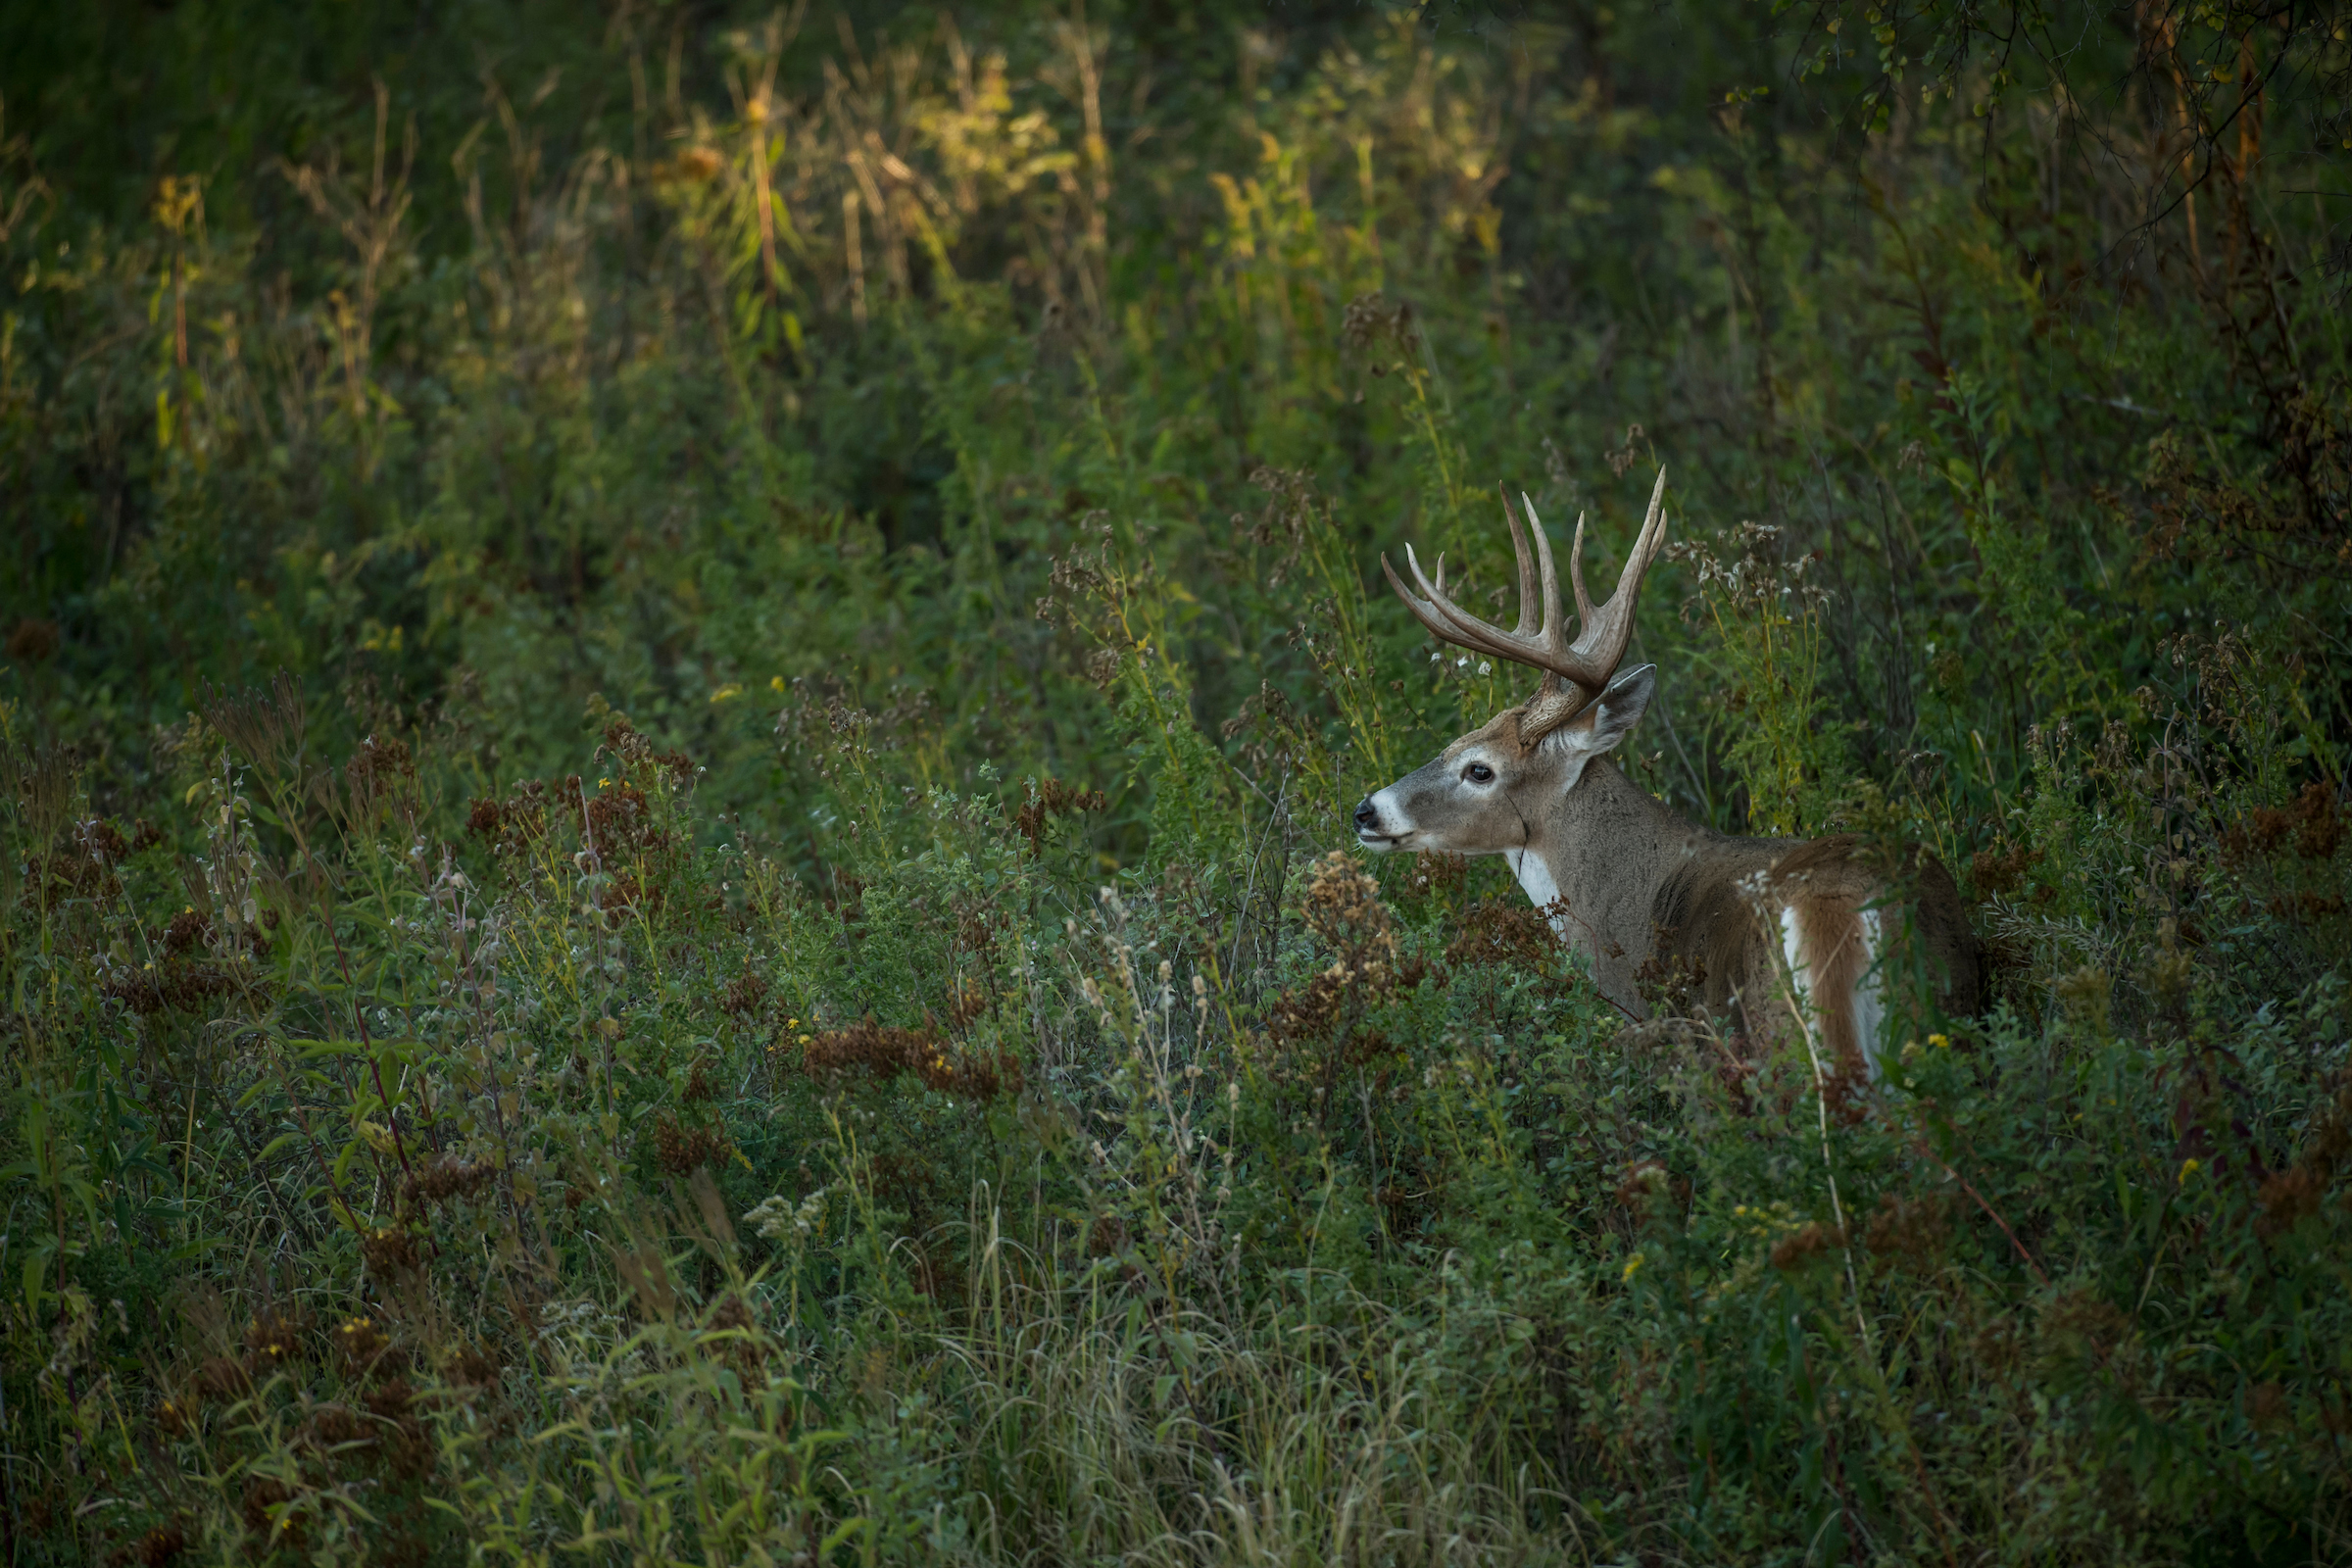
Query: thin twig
x=1920 y=1143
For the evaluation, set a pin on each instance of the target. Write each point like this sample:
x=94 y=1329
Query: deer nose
x=1367 y=817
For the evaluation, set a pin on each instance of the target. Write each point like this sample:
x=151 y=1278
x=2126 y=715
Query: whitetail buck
x=1754 y=922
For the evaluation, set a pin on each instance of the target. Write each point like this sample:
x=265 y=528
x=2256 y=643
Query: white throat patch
x=1535 y=877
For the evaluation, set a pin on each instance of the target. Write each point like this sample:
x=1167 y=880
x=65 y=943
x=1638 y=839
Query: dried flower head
x=1748 y=570
x=389 y=1251
x=1801 y=1246
x=445 y=1179
x=32 y=641
x=359 y=1341
x=275 y=1337
x=1908 y=1231
x=160 y=1546
x=745 y=995
x=267 y=727
x=885 y=1053
x=1343 y=911
x=2314 y=820
x=1050 y=798
x=681 y=1149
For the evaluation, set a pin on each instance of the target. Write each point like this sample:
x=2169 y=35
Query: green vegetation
x=679 y=700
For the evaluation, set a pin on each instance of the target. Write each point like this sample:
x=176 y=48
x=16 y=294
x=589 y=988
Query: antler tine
x=1650 y=541
x=1576 y=576
x=1542 y=643
x=1542 y=649
x=1438 y=614
x=1448 y=620
x=1423 y=610
x=1555 y=629
x=1554 y=637
x=1602 y=634
x=1526 y=566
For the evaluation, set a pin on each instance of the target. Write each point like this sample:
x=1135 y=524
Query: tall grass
x=675 y=732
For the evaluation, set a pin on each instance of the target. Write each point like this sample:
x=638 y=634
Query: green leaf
x=310 y=1049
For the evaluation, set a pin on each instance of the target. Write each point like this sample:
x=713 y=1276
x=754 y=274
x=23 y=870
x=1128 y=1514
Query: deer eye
x=1478 y=773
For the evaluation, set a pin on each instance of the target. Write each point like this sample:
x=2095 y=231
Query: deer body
x=1764 y=926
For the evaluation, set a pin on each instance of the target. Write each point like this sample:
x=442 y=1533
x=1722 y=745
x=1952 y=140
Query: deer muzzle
x=1379 y=825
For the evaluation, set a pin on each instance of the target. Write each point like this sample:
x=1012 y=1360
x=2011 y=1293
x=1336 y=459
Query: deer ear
x=1609 y=718
x=1622 y=705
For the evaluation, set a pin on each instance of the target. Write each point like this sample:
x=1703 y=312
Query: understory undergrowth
x=584 y=1181
x=674 y=751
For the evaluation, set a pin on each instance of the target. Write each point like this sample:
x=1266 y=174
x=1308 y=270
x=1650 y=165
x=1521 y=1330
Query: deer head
x=1496 y=790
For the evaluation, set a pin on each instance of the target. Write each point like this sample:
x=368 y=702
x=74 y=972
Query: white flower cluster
x=778 y=1219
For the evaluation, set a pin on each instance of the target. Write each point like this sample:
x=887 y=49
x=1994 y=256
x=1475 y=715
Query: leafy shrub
x=671 y=780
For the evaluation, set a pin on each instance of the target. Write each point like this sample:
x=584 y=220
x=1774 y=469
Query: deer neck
x=1594 y=864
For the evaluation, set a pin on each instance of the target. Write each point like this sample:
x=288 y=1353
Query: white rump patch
x=1870 y=1005
x=1792 y=949
x=1869 y=1001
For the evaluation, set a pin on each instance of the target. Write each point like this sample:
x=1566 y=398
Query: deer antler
x=1574 y=673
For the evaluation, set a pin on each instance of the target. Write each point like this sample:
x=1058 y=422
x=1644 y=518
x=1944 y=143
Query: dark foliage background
x=622 y=623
